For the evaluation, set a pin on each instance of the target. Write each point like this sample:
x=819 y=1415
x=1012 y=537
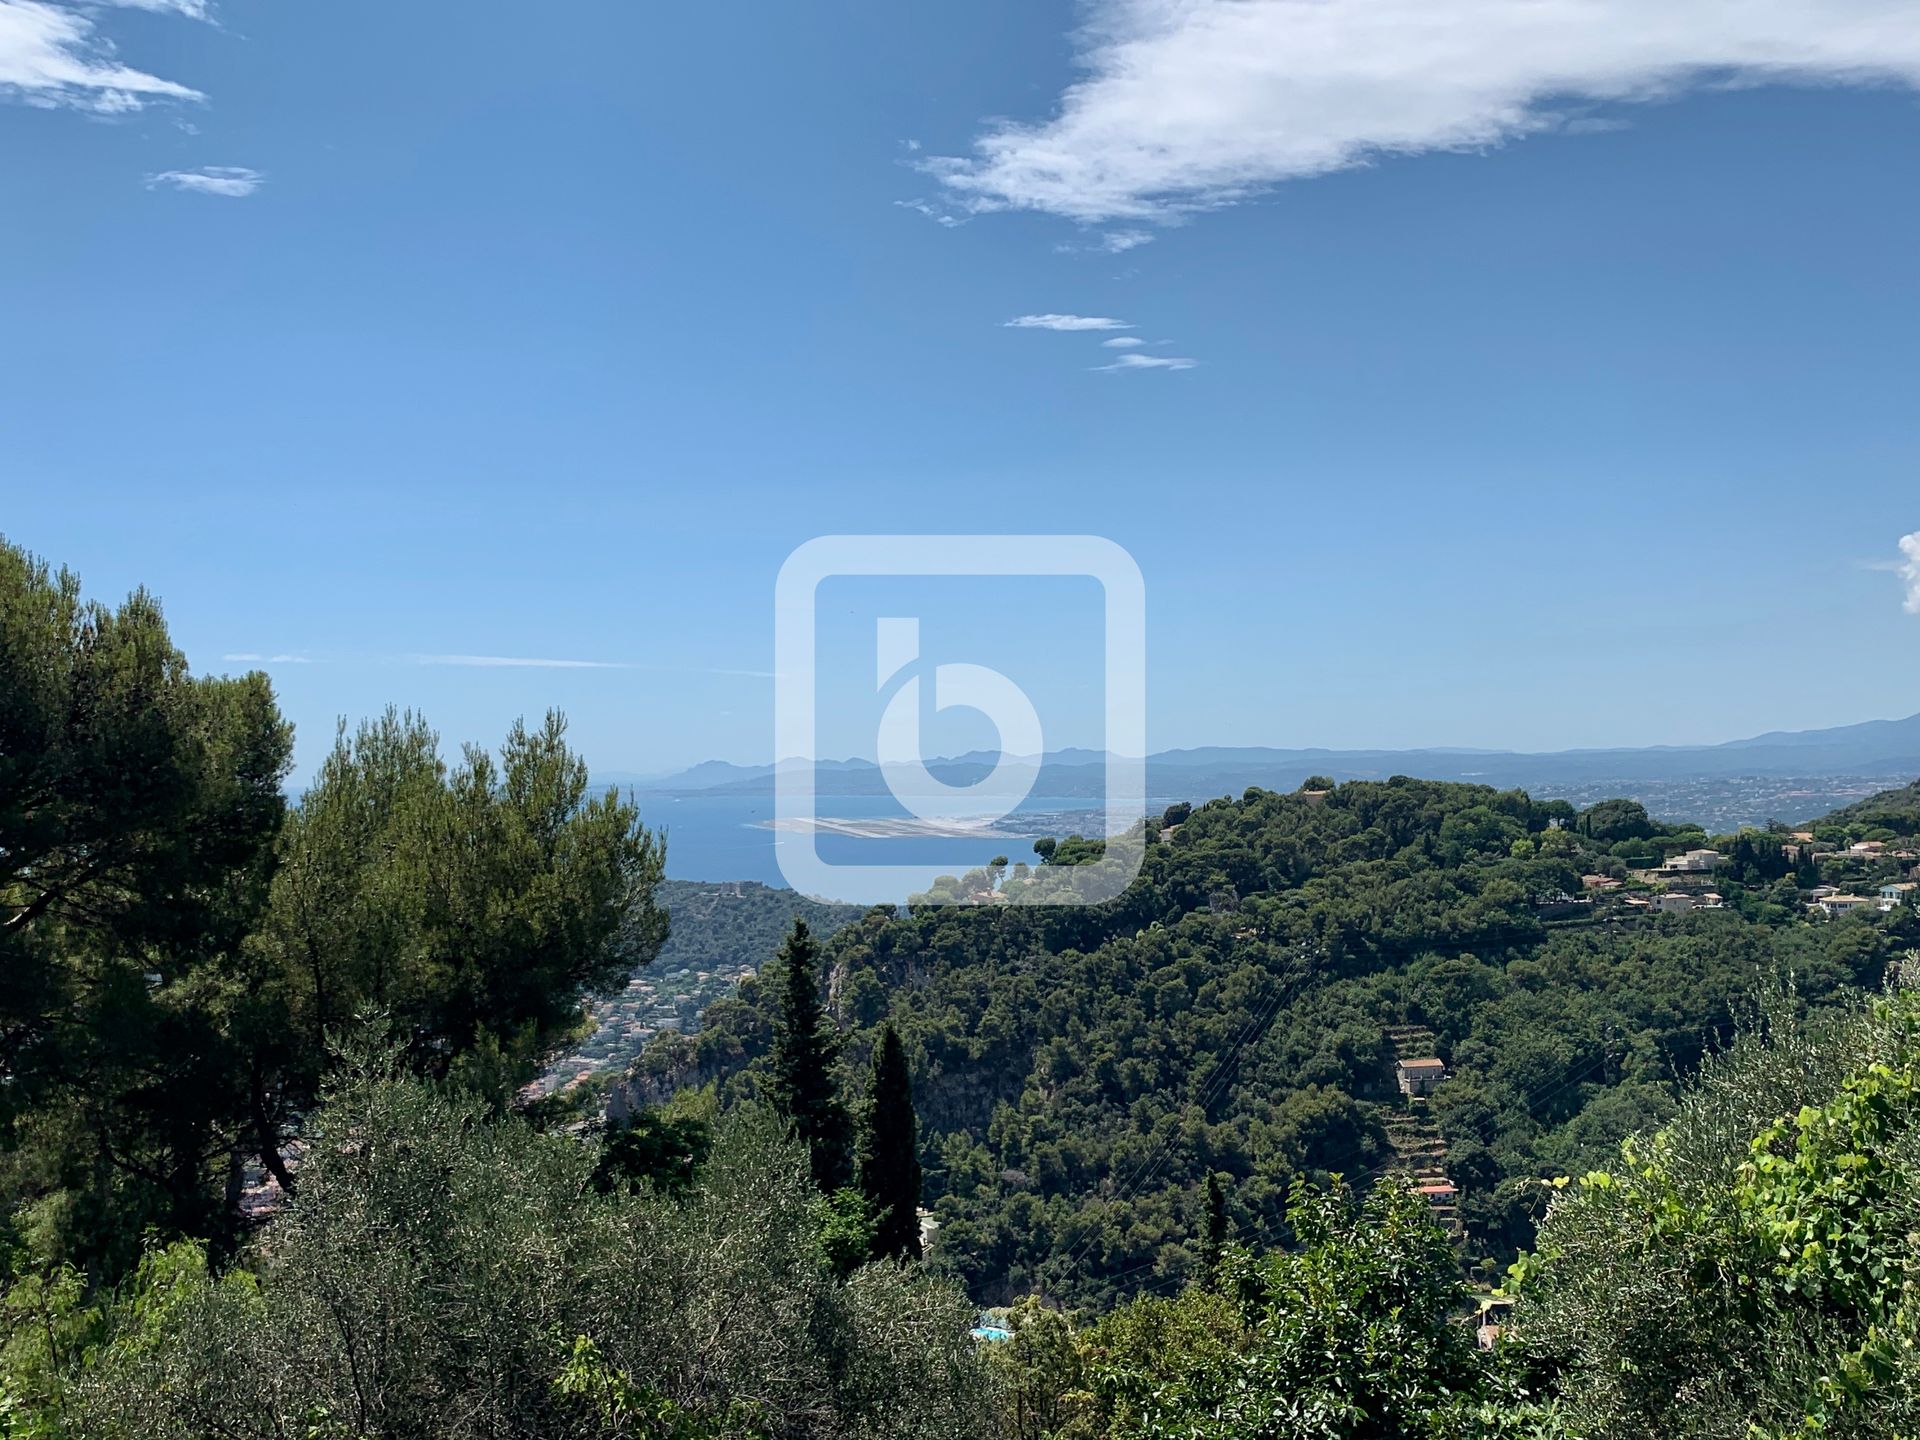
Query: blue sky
x=1548 y=385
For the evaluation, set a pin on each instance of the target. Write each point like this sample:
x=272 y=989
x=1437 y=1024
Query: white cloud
x=1131 y=361
x=1190 y=104
x=519 y=662
x=54 y=57
x=1066 y=322
x=236 y=182
x=1113 y=242
x=1118 y=242
x=250 y=657
x=1123 y=342
x=1910 y=570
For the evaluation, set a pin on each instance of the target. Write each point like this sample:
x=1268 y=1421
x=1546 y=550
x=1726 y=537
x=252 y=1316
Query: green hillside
x=263 y=1174
x=1895 y=810
x=1081 y=1072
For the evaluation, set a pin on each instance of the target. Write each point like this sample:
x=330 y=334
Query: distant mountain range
x=1878 y=748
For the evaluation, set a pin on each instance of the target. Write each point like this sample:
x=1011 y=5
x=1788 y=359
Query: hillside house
x=1421 y=1077
x=1694 y=862
x=1892 y=897
x=1673 y=904
x=1834 y=906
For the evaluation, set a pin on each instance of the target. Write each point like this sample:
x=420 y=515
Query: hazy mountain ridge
x=1875 y=748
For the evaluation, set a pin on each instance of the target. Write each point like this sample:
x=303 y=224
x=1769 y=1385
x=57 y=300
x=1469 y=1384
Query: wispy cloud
x=1910 y=570
x=236 y=182
x=1133 y=361
x=1118 y=242
x=1191 y=104
x=1113 y=242
x=55 y=57
x=1066 y=322
x=192 y=9
x=940 y=215
x=1129 y=346
x=485 y=662
x=521 y=662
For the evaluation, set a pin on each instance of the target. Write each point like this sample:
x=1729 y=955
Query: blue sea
x=726 y=837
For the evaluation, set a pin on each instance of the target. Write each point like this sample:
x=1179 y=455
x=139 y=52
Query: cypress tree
x=1213 y=1246
x=804 y=1048
x=890 y=1152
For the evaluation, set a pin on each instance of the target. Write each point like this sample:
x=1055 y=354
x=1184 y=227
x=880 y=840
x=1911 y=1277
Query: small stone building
x=1420 y=1077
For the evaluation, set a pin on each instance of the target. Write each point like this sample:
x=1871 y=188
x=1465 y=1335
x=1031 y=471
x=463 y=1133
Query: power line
x=1214 y=1087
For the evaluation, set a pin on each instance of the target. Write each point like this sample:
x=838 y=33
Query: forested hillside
x=1080 y=1073
x=261 y=1173
x=1896 y=812
x=268 y=1170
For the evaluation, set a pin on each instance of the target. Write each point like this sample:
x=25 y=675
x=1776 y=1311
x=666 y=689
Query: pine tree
x=804 y=1046
x=890 y=1152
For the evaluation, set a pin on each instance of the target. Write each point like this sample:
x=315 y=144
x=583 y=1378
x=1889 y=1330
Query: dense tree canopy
x=1168 y=1129
x=452 y=1274
x=180 y=951
x=472 y=907
x=139 y=807
x=1080 y=1072
x=1754 y=1261
x=1352 y=1335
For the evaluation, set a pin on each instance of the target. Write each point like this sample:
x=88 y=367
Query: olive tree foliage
x=445 y=1272
x=1752 y=1270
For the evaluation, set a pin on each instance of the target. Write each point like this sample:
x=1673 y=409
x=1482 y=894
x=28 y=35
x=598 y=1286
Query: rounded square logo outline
x=1124 y=671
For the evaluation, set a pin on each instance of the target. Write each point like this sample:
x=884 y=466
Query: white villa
x=1694 y=862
